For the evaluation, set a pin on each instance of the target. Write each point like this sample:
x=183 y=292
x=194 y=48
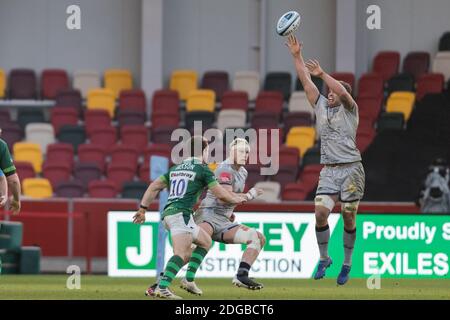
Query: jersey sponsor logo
x=190 y=175
x=225 y=177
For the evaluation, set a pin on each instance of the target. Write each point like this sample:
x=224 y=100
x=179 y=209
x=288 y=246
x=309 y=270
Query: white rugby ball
x=288 y=23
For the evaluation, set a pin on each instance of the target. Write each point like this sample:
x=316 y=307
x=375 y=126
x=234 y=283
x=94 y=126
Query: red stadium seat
x=285 y=175
x=56 y=172
x=52 y=81
x=429 y=83
x=386 y=64
x=346 y=77
x=369 y=107
x=269 y=101
x=309 y=177
x=96 y=118
x=370 y=85
x=11 y=133
x=134 y=136
x=165 y=102
x=235 y=100
x=157 y=149
x=294 y=192
x=163 y=135
x=87 y=172
x=124 y=155
x=24 y=170
x=70 y=189
x=22 y=84
x=254 y=176
x=120 y=173
x=289 y=156
x=133 y=99
x=102 y=189
x=5 y=116
x=264 y=119
x=61 y=116
x=69 y=98
x=92 y=153
x=364 y=138
x=218 y=81
x=165 y=120
x=60 y=152
x=297 y=119
x=416 y=63
x=105 y=136
x=131 y=117
x=144 y=172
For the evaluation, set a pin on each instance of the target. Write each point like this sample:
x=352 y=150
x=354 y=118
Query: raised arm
x=334 y=85
x=312 y=93
x=150 y=194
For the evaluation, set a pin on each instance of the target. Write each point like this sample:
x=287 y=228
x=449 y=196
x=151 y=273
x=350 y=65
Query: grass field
x=103 y=287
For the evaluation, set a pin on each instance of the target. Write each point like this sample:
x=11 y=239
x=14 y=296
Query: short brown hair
x=194 y=142
x=347 y=86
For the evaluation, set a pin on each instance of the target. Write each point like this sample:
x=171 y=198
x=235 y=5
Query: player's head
x=239 y=151
x=198 y=147
x=333 y=98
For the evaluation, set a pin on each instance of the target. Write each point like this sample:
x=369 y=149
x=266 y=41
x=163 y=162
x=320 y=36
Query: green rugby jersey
x=186 y=183
x=6 y=162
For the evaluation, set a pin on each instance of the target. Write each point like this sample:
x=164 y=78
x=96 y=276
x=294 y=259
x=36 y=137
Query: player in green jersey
x=185 y=182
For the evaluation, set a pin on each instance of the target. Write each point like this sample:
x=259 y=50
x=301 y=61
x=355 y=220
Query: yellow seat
x=213 y=166
x=401 y=101
x=37 y=188
x=118 y=80
x=183 y=81
x=2 y=83
x=29 y=152
x=301 y=138
x=101 y=99
x=201 y=100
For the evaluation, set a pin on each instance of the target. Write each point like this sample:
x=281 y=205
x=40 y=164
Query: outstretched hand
x=294 y=46
x=314 y=68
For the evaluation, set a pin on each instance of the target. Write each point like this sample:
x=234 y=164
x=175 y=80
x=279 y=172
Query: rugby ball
x=288 y=23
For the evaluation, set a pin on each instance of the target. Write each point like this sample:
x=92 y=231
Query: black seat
x=400 y=82
x=134 y=189
x=279 y=81
x=75 y=135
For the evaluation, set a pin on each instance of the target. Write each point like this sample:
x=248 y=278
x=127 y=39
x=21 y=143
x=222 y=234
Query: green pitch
x=102 y=287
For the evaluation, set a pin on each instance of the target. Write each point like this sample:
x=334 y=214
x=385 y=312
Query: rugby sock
x=174 y=265
x=194 y=262
x=244 y=268
x=323 y=235
x=349 y=243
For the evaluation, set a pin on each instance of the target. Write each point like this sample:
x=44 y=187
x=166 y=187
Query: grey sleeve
x=321 y=105
x=224 y=175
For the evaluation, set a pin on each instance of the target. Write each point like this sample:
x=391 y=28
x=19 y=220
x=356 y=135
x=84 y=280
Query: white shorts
x=180 y=223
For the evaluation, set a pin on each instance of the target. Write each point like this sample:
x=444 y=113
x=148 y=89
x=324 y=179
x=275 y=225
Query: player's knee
x=262 y=239
x=349 y=210
x=250 y=237
x=323 y=206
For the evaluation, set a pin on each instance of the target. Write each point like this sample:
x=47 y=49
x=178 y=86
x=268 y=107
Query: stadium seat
x=429 y=83
x=56 y=172
x=120 y=173
x=386 y=64
x=206 y=118
x=26 y=116
x=400 y=82
x=441 y=64
x=24 y=170
x=29 y=152
x=124 y=155
x=264 y=120
x=301 y=138
x=85 y=80
x=2 y=83
x=237 y=100
x=157 y=149
x=144 y=172
x=231 y=118
x=61 y=116
x=401 y=102
x=391 y=121
x=364 y=138
x=297 y=119
x=102 y=99
x=75 y=135
x=311 y=156
x=369 y=107
x=285 y=175
x=133 y=99
x=37 y=188
x=254 y=176
x=105 y=136
x=299 y=103
x=52 y=81
x=317 y=81
x=279 y=81
x=217 y=81
x=416 y=63
x=444 y=42
x=294 y=192
x=118 y=80
x=102 y=189
x=40 y=133
x=288 y=156
x=247 y=81
x=92 y=153
x=96 y=118
x=346 y=77
x=370 y=85
x=61 y=152
x=11 y=133
x=70 y=98
x=86 y=172
x=134 y=136
x=271 y=191
x=134 y=190
x=165 y=102
x=269 y=101
x=5 y=116
x=22 y=84
x=309 y=177
x=165 y=121
x=183 y=81
x=131 y=117
x=70 y=189
x=163 y=135
x=201 y=100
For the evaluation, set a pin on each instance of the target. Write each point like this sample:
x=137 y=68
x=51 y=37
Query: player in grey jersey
x=217 y=219
x=342 y=178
